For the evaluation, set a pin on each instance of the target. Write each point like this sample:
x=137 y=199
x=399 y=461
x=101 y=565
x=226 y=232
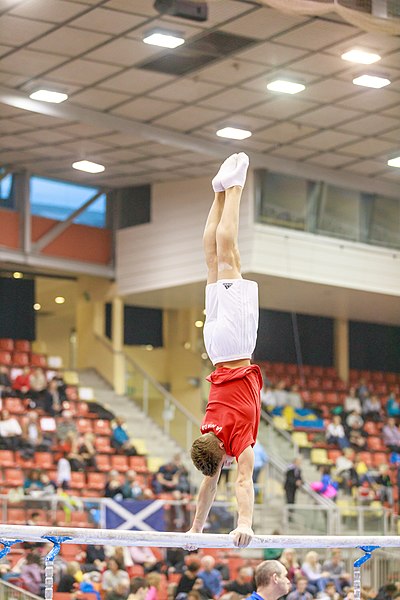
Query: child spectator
x=120 y=439
x=335 y=433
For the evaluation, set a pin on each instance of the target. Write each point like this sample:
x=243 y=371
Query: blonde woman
x=289 y=560
x=312 y=569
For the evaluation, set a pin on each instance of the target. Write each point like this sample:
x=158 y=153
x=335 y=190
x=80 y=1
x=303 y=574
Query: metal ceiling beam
x=69 y=112
x=58 y=229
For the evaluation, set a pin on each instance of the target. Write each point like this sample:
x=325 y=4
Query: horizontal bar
x=121 y=537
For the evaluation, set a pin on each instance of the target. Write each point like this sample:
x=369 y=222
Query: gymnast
x=230 y=425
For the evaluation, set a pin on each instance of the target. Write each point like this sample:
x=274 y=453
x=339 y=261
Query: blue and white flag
x=133 y=515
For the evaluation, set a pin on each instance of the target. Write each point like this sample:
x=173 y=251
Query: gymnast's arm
x=208 y=489
x=244 y=489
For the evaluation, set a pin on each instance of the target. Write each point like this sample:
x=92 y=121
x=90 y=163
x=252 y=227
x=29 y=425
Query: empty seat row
x=22 y=359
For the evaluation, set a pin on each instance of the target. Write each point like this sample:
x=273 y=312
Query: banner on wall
x=133 y=515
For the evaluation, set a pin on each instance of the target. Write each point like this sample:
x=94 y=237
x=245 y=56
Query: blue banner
x=133 y=515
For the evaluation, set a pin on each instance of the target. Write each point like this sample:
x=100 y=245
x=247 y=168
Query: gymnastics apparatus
x=14 y=534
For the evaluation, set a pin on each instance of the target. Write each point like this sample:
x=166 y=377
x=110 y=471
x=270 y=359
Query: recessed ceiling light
x=37 y=306
x=233 y=133
x=149 y=347
x=59 y=299
x=394 y=162
x=286 y=87
x=198 y=324
x=163 y=39
x=362 y=57
x=48 y=96
x=18 y=275
x=88 y=166
x=372 y=81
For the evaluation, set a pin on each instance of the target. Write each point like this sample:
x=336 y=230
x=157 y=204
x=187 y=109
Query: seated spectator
x=210 y=576
x=243 y=584
x=293 y=397
x=32 y=435
x=329 y=593
x=66 y=430
x=352 y=402
x=361 y=469
x=115 y=581
x=281 y=393
x=139 y=587
x=354 y=420
x=199 y=592
x=154 y=580
x=71 y=578
x=32 y=573
x=222 y=565
x=363 y=390
x=188 y=578
x=337 y=570
x=49 y=487
x=327 y=487
x=312 y=569
x=300 y=592
x=10 y=432
x=289 y=560
x=113 y=487
x=390 y=435
x=345 y=471
x=64 y=472
x=268 y=397
x=120 y=439
x=33 y=482
x=335 y=433
x=144 y=556
x=5 y=382
x=87 y=451
x=175 y=560
x=365 y=494
x=21 y=384
x=357 y=439
x=167 y=478
x=392 y=406
x=37 y=385
x=53 y=397
x=95 y=557
x=384 y=486
x=131 y=489
x=372 y=409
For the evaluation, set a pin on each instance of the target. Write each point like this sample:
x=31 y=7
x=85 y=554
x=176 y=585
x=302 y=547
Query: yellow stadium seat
x=300 y=439
x=155 y=462
x=280 y=422
x=71 y=378
x=140 y=446
x=345 y=507
x=319 y=456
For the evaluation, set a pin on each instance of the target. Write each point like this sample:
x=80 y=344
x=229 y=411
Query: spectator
x=198 y=592
x=175 y=560
x=113 y=487
x=352 y=402
x=260 y=460
x=139 y=587
x=10 y=432
x=357 y=439
x=144 y=556
x=53 y=397
x=188 y=578
x=96 y=557
x=120 y=439
x=281 y=393
x=365 y=494
x=87 y=451
x=271 y=581
x=268 y=397
x=210 y=576
x=33 y=482
x=329 y=593
x=289 y=560
x=300 y=592
x=171 y=477
x=154 y=580
x=390 y=435
x=384 y=485
x=37 y=385
x=293 y=480
x=34 y=518
x=345 y=471
x=372 y=409
x=354 y=420
x=64 y=472
x=115 y=582
x=32 y=435
x=361 y=469
x=392 y=406
x=327 y=487
x=311 y=567
x=293 y=397
x=243 y=584
x=222 y=565
x=131 y=489
x=21 y=384
x=362 y=390
x=5 y=382
x=66 y=430
x=335 y=433
x=183 y=481
x=49 y=486
x=71 y=578
x=337 y=571
x=32 y=573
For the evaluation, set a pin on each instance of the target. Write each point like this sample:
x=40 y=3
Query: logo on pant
x=227 y=285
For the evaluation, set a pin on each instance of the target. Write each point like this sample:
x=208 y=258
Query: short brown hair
x=265 y=570
x=207 y=454
x=138 y=583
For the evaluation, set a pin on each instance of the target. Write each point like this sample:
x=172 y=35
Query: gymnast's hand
x=242 y=536
x=190 y=547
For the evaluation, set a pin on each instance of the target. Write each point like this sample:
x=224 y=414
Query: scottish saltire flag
x=133 y=515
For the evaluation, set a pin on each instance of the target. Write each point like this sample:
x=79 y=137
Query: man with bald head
x=271 y=581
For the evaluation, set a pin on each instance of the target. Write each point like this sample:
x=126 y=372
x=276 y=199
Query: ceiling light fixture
x=198 y=324
x=164 y=39
x=233 y=133
x=18 y=275
x=37 y=306
x=371 y=81
x=59 y=299
x=394 y=162
x=286 y=87
x=363 y=57
x=48 y=96
x=88 y=166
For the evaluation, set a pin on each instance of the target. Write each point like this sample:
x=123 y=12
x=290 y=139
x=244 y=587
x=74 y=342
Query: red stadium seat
x=7 y=458
x=138 y=464
x=5 y=357
x=330 y=372
x=102 y=445
x=292 y=370
x=278 y=368
x=39 y=360
x=22 y=346
x=96 y=481
x=366 y=457
x=20 y=359
x=371 y=428
x=313 y=383
x=7 y=344
x=44 y=460
x=102 y=427
x=380 y=388
x=317 y=397
x=375 y=444
x=119 y=463
x=16 y=516
x=82 y=409
x=78 y=480
x=334 y=454
x=79 y=519
x=84 y=425
x=331 y=398
x=14 y=406
x=103 y=462
x=377 y=376
x=13 y=478
x=317 y=371
x=327 y=384
x=380 y=458
x=390 y=377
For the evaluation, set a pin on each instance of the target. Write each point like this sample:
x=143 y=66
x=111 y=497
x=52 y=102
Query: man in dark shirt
x=243 y=584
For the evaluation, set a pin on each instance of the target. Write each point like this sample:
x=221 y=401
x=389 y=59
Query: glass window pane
x=283 y=200
x=6 y=192
x=385 y=222
x=340 y=213
x=58 y=200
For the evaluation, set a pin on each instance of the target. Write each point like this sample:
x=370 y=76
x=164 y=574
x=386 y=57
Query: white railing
x=9 y=591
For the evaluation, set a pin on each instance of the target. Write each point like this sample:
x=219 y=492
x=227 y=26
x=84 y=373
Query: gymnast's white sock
x=227 y=166
x=236 y=175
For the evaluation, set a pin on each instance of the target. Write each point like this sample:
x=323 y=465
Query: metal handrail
x=9 y=590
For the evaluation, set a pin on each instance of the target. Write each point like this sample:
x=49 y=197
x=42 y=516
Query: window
x=339 y=214
x=282 y=199
x=58 y=200
x=385 y=222
x=6 y=191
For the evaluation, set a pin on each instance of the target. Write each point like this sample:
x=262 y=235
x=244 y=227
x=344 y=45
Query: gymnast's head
x=207 y=454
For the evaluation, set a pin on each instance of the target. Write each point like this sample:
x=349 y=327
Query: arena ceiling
x=149 y=114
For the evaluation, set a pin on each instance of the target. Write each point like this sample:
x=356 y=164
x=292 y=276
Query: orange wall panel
x=9 y=228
